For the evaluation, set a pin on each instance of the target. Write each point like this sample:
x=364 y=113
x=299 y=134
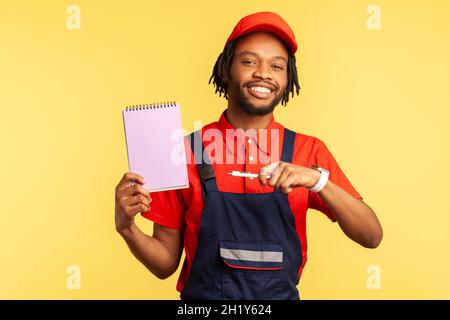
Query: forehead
x=262 y=43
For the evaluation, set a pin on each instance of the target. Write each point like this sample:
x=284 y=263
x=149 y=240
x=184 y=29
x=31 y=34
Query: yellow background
x=378 y=98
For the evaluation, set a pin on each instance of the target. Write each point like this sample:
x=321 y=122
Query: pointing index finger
x=266 y=171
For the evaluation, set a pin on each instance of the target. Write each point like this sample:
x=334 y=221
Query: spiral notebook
x=155 y=145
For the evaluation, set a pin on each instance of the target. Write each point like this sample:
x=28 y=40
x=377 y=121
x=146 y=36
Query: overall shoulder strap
x=288 y=145
x=288 y=149
x=204 y=166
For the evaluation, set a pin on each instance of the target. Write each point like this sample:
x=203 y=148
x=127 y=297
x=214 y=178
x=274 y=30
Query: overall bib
x=248 y=246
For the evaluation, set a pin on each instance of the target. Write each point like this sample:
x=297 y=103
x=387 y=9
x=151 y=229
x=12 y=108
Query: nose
x=262 y=72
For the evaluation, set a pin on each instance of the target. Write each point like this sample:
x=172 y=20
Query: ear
x=226 y=76
x=225 y=79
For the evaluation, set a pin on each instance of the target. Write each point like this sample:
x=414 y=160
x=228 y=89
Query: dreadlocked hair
x=223 y=64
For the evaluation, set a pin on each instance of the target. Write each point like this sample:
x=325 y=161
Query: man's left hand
x=287 y=176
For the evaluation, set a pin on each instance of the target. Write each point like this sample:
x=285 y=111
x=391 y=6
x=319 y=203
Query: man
x=245 y=238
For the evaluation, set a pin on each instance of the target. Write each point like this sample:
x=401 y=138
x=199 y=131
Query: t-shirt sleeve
x=166 y=209
x=325 y=159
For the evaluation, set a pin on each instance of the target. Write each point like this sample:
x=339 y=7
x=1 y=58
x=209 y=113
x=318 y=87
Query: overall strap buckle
x=205 y=171
x=204 y=166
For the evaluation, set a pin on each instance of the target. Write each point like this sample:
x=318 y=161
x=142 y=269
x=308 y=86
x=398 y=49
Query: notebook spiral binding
x=158 y=105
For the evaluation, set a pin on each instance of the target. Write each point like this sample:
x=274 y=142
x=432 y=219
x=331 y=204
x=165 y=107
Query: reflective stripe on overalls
x=248 y=247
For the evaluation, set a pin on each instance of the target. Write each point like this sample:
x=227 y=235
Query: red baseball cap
x=267 y=22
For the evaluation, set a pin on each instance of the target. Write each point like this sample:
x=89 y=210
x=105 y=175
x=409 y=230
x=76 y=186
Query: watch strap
x=324 y=175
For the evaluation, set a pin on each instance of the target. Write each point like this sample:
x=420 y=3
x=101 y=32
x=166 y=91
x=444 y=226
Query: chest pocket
x=252 y=270
x=252 y=256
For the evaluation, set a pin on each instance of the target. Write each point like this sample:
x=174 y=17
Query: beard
x=244 y=103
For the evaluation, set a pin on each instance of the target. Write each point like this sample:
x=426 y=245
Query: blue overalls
x=248 y=247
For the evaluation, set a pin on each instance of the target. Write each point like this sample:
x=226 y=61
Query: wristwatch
x=322 y=180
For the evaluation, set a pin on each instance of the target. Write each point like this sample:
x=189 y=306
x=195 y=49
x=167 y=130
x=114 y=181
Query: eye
x=277 y=67
x=248 y=62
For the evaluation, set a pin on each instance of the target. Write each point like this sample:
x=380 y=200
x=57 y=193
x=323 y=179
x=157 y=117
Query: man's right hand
x=161 y=252
x=130 y=200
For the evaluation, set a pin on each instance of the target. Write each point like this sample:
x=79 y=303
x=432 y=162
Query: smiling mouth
x=261 y=89
x=260 y=92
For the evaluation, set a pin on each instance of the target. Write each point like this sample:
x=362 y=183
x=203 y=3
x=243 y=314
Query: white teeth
x=260 y=89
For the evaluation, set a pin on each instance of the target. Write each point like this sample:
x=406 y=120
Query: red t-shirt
x=182 y=209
